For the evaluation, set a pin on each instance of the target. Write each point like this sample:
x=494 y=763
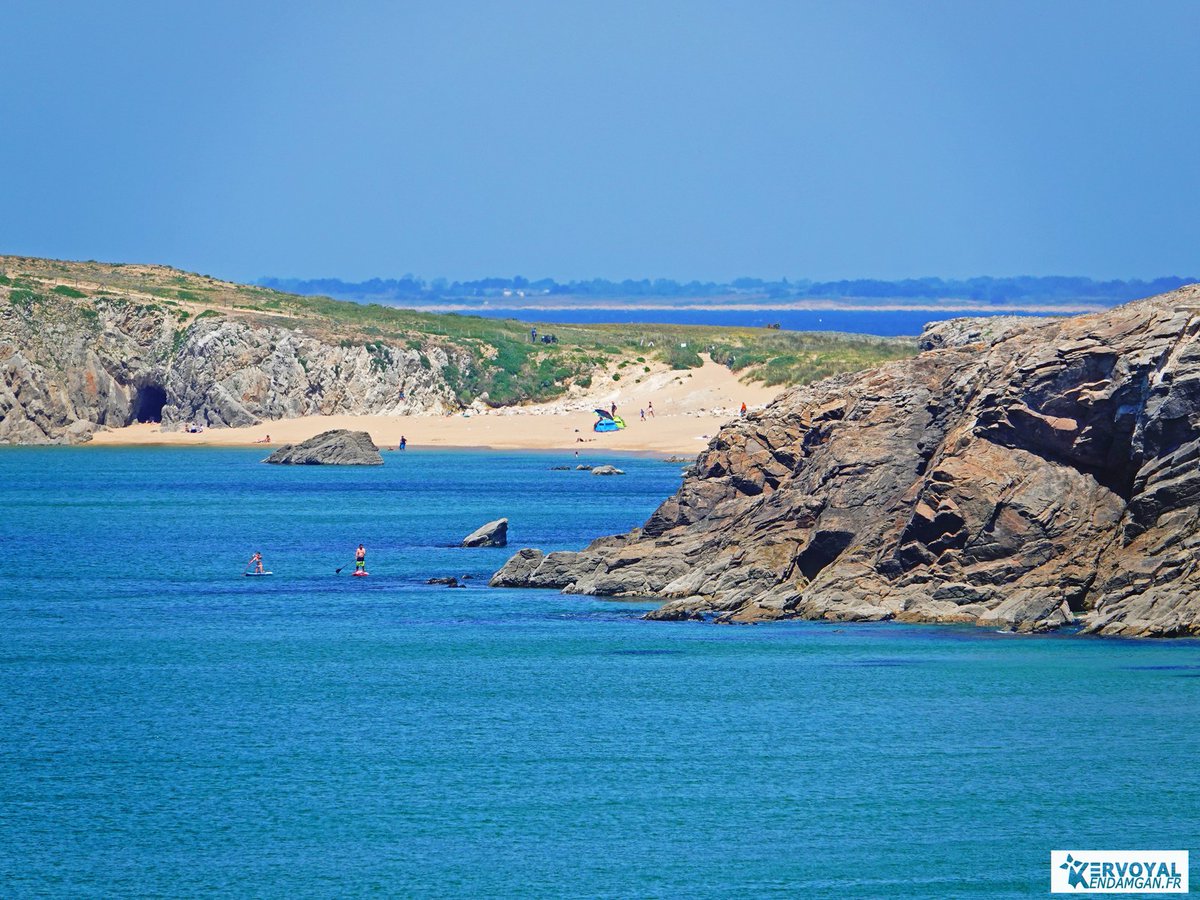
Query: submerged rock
x=493 y=534
x=330 y=448
x=1040 y=476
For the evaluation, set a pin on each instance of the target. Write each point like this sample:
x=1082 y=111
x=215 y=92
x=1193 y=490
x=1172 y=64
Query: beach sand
x=689 y=407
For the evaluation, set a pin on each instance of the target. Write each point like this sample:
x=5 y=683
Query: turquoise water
x=169 y=728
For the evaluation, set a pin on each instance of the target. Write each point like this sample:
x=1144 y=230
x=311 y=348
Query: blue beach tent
x=607 y=421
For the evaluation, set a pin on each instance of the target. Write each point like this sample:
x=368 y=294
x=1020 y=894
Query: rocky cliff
x=68 y=366
x=85 y=345
x=1044 y=477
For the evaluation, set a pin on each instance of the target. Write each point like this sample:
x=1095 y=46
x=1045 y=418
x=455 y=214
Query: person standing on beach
x=642 y=412
x=403 y=442
x=650 y=408
x=743 y=408
x=614 y=407
x=360 y=559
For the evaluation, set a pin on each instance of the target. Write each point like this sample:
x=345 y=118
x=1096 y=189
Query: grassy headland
x=505 y=364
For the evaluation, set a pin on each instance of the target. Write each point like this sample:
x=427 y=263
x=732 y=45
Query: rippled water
x=168 y=727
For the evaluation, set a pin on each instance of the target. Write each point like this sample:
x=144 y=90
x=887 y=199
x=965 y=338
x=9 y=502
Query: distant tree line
x=1042 y=289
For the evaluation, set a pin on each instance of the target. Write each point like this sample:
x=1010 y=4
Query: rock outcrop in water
x=67 y=368
x=339 y=447
x=1049 y=477
x=493 y=534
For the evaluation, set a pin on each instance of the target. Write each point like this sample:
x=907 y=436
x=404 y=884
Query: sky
x=605 y=139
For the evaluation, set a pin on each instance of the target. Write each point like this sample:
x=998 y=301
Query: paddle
x=338 y=570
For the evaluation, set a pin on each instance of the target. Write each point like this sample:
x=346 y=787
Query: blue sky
x=610 y=139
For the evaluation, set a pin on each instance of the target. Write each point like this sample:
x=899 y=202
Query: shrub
x=680 y=357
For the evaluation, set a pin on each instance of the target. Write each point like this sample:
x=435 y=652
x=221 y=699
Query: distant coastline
x=964 y=307
x=999 y=294
x=884 y=320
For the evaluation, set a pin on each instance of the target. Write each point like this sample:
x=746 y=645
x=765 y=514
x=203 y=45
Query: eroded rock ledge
x=1046 y=476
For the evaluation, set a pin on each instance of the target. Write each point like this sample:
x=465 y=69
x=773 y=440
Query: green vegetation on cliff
x=503 y=363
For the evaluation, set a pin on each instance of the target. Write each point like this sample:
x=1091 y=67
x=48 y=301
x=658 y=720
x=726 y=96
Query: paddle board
x=361 y=574
x=256 y=574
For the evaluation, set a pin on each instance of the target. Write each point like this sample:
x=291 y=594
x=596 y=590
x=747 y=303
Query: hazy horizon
x=516 y=289
x=679 y=140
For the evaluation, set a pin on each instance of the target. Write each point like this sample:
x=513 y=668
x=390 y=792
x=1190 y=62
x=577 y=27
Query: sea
x=170 y=728
x=884 y=323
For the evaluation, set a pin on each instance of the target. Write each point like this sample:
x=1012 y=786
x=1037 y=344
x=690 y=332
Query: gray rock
x=1030 y=478
x=607 y=470
x=583 y=467
x=517 y=571
x=330 y=448
x=493 y=534
x=77 y=365
x=967 y=330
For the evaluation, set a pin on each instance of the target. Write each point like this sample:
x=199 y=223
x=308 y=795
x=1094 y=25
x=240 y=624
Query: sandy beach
x=688 y=409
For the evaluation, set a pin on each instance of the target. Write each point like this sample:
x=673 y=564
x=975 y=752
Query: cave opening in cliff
x=148 y=403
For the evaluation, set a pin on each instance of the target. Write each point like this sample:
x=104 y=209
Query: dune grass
x=495 y=357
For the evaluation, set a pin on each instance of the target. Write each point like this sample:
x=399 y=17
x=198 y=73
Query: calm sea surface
x=170 y=728
x=889 y=323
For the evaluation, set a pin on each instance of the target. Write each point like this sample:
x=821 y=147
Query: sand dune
x=689 y=407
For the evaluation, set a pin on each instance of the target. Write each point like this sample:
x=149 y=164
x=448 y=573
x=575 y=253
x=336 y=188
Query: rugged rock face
x=962 y=332
x=493 y=534
x=232 y=373
x=339 y=447
x=1048 y=478
x=67 y=368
